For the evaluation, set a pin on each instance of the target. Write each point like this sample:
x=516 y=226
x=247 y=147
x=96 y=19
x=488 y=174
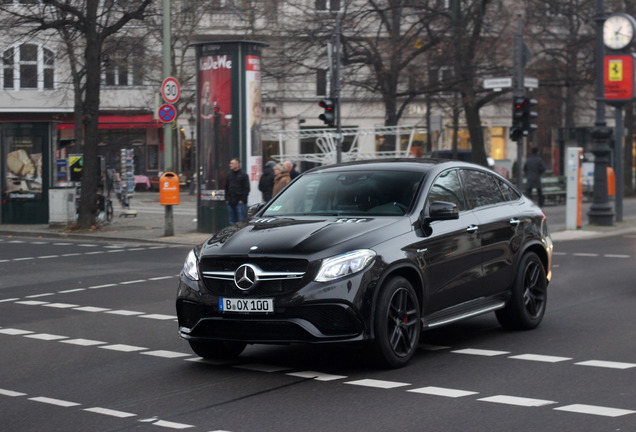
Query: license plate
x=246 y=305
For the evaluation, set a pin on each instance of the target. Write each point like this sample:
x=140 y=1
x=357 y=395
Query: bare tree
x=84 y=26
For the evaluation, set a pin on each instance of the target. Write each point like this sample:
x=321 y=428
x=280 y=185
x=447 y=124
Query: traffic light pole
x=337 y=93
x=518 y=93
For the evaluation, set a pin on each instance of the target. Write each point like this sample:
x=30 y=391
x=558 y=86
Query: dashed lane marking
x=123 y=348
x=540 y=358
x=318 y=376
x=595 y=410
x=517 y=401
x=444 y=392
x=607 y=364
x=110 y=412
x=56 y=402
x=480 y=352
x=377 y=383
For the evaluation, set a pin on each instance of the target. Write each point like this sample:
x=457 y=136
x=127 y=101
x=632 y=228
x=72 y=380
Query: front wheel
x=527 y=304
x=217 y=350
x=397 y=323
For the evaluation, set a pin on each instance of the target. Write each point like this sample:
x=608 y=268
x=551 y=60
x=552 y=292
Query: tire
x=219 y=350
x=527 y=304
x=397 y=323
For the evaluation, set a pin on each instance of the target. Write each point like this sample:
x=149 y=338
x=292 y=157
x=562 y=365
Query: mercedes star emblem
x=245 y=277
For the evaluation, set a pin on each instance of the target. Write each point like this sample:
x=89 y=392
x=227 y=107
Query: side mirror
x=439 y=210
x=253 y=209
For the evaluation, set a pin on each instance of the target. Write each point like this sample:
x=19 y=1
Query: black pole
x=518 y=91
x=601 y=211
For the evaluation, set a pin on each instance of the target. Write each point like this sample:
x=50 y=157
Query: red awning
x=139 y=121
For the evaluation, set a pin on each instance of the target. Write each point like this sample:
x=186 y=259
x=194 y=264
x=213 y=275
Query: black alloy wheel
x=397 y=323
x=527 y=305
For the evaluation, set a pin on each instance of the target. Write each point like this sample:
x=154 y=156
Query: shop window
x=28 y=66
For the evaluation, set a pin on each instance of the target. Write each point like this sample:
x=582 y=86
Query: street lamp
x=192 y=122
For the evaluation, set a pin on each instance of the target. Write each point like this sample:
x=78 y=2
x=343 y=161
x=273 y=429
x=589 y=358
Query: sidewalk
x=149 y=224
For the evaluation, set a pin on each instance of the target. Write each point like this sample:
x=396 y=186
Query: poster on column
x=253 y=122
x=215 y=112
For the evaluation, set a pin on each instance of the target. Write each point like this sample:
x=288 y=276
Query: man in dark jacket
x=533 y=169
x=266 y=183
x=237 y=188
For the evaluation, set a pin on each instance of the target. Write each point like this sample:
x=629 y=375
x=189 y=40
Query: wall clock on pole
x=618 y=31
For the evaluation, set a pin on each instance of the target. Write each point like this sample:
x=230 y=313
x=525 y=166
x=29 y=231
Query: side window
x=447 y=187
x=481 y=189
x=508 y=192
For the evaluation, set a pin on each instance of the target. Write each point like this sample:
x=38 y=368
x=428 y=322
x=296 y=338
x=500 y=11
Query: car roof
x=412 y=164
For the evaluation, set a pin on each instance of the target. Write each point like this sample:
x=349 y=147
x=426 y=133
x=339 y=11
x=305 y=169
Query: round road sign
x=167 y=113
x=170 y=90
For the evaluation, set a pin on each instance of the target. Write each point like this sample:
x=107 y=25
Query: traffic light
x=329 y=112
x=516 y=131
x=529 y=115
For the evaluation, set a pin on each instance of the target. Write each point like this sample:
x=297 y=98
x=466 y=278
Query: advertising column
x=228 y=124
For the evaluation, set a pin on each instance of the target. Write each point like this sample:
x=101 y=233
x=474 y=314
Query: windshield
x=368 y=193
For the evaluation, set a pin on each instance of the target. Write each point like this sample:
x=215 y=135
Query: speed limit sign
x=170 y=90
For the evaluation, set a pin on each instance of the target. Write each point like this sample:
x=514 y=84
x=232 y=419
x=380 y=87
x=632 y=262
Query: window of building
x=28 y=66
x=123 y=63
x=498 y=143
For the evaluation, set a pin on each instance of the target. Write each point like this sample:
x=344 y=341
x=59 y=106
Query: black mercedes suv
x=371 y=251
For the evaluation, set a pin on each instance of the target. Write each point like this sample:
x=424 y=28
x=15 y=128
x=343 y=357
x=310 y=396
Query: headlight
x=191 y=266
x=344 y=265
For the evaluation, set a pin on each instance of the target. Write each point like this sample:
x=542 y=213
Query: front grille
x=219 y=276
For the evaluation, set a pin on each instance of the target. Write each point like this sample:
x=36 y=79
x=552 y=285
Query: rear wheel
x=397 y=323
x=526 y=307
x=217 y=349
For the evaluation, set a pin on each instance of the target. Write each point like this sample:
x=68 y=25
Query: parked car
x=369 y=251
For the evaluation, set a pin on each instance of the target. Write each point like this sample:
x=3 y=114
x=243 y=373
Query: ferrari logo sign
x=619 y=78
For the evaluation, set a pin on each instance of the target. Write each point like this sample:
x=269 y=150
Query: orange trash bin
x=169 y=189
x=611 y=182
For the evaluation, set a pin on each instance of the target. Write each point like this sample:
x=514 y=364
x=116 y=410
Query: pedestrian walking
x=237 y=188
x=266 y=182
x=533 y=169
x=291 y=168
x=281 y=178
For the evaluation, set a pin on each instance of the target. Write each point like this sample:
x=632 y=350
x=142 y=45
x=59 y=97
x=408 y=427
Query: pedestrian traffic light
x=516 y=131
x=329 y=112
x=529 y=115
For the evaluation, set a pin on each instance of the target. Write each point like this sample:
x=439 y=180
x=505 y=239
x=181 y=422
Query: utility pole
x=167 y=128
x=337 y=92
x=518 y=92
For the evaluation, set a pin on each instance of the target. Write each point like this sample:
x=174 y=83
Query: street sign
x=167 y=113
x=170 y=90
x=530 y=82
x=497 y=83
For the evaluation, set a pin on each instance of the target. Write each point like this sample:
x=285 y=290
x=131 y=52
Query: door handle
x=472 y=229
x=514 y=221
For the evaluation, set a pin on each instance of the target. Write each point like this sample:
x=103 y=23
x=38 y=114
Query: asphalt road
x=89 y=343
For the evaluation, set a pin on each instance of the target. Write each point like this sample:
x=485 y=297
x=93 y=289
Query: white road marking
x=61 y=305
x=45 y=336
x=607 y=364
x=480 y=352
x=109 y=412
x=132 y=282
x=318 y=376
x=48 y=256
x=71 y=254
x=159 y=317
x=160 y=278
x=51 y=401
x=91 y=309
x=171 y=425
x=102 y=286
x=585 y=254
x=616 y=256
x=71 y=291
x=23 y=259
x=83 y=342
x=14 y=332
x=166 y=354
x=9 y=300
x=540 y=358
x=32 y=302
x=10 y=393
x=123 y=348
x=377 y=383
x=440 y=391
x=594 y=410
x=124 y=312
x=517 y=401
x=94 y=253
x=40 y=295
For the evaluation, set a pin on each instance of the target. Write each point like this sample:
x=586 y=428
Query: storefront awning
x=139 y=121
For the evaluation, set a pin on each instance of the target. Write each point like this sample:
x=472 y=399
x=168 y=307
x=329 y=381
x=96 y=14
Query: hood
x=305 y=236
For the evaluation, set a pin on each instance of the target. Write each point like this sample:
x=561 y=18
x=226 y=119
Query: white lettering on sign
x=216 y=62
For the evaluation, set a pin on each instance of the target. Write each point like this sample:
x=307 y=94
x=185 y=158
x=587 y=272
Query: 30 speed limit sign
x=170 y=90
